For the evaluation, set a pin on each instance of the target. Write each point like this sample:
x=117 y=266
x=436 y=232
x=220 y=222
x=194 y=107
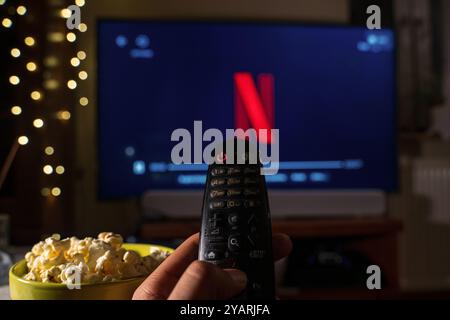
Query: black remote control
x=236 y=229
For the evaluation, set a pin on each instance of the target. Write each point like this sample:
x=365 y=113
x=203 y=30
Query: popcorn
x=50 y=275
x=55 y=260
x=115 y=240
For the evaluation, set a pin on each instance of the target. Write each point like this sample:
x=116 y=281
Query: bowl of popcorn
x=85 y=269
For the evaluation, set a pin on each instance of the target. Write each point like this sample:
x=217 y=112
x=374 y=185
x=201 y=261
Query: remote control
x=236 y=228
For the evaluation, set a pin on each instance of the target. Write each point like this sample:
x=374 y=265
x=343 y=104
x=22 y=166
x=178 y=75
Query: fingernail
x=238 y=276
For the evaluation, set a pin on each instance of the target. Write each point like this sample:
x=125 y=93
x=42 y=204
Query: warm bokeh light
x=83 y=75
x=16 y=110
x=63 y=115
x=80 y=3
x=23 y=140
x=49 y=150
x=60 y=170
x=56 y=192
x=21 y=10
x=71 y=84
x=84 y=101
x=71 y=37
x=29 y=41
x=51 y=84
x=81 y=55
x=82 y=27
x=7 y=23
x=55 y=37
x=65 y=13
x=15 y=52
x=48 y=169
x=38 y=123
x=14 y=80
x=51 y=61
x=75 y=62
x=36 y=95
x=31 y=66
x=45 y=192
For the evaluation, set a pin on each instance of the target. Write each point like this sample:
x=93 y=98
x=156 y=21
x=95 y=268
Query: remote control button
x=252 y=203
x=234 y=203
x=233 y=219
x=234 y=243
x=234 y=170
x=250 y=191
x=233 y=181
x=257 y=254
x=217 y=205
x=251 y=170
x=217 y=216
x=218 y=171
x=250 y=180
x=216 y=240
x=216 y=221
x=234 y=192
x=212 y=223
x=213 y=255
x=217 y=182
x=214 y=232
x=217 y=193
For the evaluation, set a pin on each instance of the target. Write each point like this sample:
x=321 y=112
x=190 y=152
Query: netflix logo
x=254 y=122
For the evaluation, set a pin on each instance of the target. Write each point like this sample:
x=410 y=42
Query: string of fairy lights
x=16 y=12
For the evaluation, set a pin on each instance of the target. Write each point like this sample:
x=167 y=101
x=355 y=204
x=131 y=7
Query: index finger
x=160 y=283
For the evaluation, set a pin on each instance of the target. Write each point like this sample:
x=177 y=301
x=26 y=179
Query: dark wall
x=359 y=16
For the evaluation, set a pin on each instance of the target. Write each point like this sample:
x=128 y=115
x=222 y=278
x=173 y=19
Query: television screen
x=330 y=90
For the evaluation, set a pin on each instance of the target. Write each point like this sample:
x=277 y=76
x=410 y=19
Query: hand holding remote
x=182 y=277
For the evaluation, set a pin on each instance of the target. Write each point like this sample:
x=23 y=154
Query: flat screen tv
x=333 y=99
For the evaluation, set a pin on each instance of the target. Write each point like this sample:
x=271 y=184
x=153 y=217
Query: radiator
x=431 y=179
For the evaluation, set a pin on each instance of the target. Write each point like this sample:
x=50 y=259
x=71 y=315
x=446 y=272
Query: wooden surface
x=298 y=228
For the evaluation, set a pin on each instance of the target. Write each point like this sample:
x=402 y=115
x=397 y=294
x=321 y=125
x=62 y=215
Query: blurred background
x=86 y=116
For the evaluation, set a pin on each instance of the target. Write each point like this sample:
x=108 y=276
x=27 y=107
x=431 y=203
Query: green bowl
x=21 y=289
